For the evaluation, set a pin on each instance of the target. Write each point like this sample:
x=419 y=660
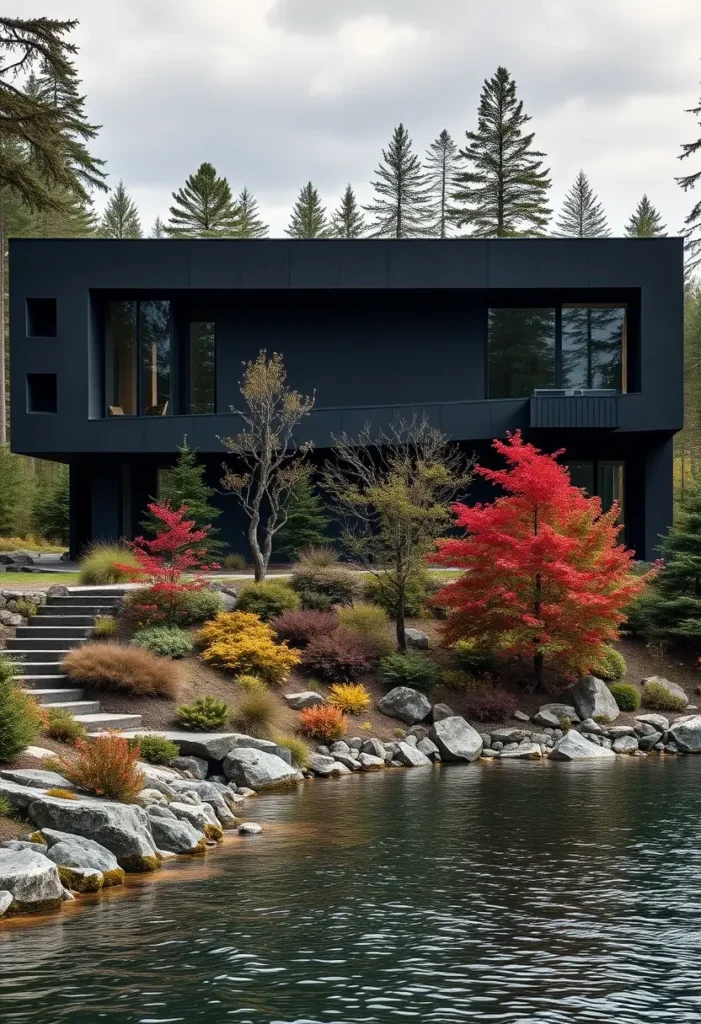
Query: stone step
x=26 y=658
x=79 y=708
x=85 y=597
x=44 y=678
x=75 y=608
x=102 y=721
x=62 y=620
x=25 y=644
x=48 y=632
x=42 y=696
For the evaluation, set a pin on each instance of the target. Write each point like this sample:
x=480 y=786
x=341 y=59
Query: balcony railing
x=575 y=408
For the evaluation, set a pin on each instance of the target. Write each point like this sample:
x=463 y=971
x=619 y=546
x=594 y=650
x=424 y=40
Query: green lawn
x=35 y=580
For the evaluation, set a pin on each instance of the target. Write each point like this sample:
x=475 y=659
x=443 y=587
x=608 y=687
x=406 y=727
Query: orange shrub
x=323 y=723
x=107 y=766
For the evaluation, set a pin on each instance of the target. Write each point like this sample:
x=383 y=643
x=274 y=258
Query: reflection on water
x=504 y=893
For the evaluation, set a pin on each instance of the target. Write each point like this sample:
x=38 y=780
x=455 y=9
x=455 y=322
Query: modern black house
x=121 y=348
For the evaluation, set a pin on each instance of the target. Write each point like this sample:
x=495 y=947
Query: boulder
x=197 y=766
x=546 y=719
x=650 y=741
x=429 y=748
x=23 y=844
x=521 y=716
x=524 y=752
x=590 y=726
x=267 y=746
x=177 y=836
x=6 y=901
x=620 y=730
x=560 y=711
x=508 y=735
x=441 y=711
x=625 y=744
x=575 y=747
x=410 y=756
x=210 y=746
x=673 y=689
x=375 y=747
x=83 y=879
x=78 y=852
x=199 y=817
x=318 y=763
x=124 y=829
x=349 y=761
x=157 y=811
x=258 y=769
x=370 y=763
x=340 y=747
x=39 y=752
x=36 y=778
x=592 y=698
x=417 y=639
x=686 y=734
x=406 y=704
x=211 y=793
x=150 y=796
x=32 y=879
x=302 y=700
x=250 y=828
x=456 y=739
x=658 y=722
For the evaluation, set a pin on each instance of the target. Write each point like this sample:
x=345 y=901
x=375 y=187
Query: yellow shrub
x=352 y=698
x=240 y=642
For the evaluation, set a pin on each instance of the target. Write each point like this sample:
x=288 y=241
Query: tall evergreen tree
x=441 y=167
x=348 y=221
x=582 y=215
x=503 y=190
x=183 y=484
x=121 y=216
x=307 y=521
x=158 y=230
x=251 y=224
x=16 y=494
x=402 y=205
x=51 y=507
x=203 y=207
x=689 y=181
x=308 y=218
x=646 y=222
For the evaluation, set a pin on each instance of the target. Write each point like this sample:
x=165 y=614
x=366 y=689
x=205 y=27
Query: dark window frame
x=138 y=368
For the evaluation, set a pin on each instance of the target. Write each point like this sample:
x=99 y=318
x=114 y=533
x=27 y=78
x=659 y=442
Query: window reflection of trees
x=521 y=351
x=593 y=340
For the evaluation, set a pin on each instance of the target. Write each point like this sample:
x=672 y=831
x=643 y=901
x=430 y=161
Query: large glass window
x=202 y=373
x=521 y=351
x=593 y=346
x=155 y=332
x=605 y=479
x=120 y=359
x=138 y=358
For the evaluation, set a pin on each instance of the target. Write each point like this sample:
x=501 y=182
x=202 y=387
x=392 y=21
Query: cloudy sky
x=277 y=92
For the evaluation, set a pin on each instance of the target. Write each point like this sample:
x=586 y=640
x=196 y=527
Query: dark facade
x=120 y=348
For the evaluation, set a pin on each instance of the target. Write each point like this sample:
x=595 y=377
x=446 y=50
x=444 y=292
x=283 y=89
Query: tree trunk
x=259 y=565
x=538 y=671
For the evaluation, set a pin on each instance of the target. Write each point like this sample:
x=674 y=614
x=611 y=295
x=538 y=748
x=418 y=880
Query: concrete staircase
x=39 y=648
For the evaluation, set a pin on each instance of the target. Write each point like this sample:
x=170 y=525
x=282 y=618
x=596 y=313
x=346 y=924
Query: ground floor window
x=603 y=478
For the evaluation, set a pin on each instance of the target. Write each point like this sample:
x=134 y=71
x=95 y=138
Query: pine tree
x=203 y=208
x=441 y=166
x=672 y=608
x=307 y=522
x=184 y=484
x=646 y=222
x=158 y=230
x=308 y=218
x=582 y=215
x=121 y=216
x=503 y=191
x=402 y=206
x=689 y=181
x=250 y=223
x=348 y=221
x=51 y=507
x=16 y=494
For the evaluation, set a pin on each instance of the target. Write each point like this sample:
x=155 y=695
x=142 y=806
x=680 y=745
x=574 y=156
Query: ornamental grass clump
x=20 y=717
x=370 y=624
x=168 y=642
x=625 y=695
x=62 y=726
x=156 y=749
x=658 y=698
x=240 y=642
x=206 y=714
x=336 y=656
x=352 y=698
x=339 y=585
x=267 y=599
x=107 y=563
x=301 y=626
x=255 y=712
x=105 y=627
x=409 y=669
x=106 y=766
x=323 y=722
x=301 y=754
x=117 y=667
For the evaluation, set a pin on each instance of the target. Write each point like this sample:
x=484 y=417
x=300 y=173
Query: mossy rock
x=81 y=880
x=115 y=876
x=138 y=863
x=214 y=832
x=37 y=837
x=197 y=851
x=41 y=907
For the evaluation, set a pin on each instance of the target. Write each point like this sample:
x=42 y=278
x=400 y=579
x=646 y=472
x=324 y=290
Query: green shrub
x=382 y=591
x=26 y=608
x=638 y=614
x=339 y=585
x=565 y=723
x=626 y=696
x=267 y=600
x=148 y=608
x=168 y=642
x=20 y=717
x=612 y=666
x=315 y=601
x=5 y=806
x=100 y=565
x=255 y=712
x=249 y=682
x=105 y=627
x=658 y=698
x=301 y=754
x=370 y=624
x=472 y=657
x=156 y=749
x=603 y=719
x=410 y=669
x=62 y=726
x=235 y=561
x=206 y=714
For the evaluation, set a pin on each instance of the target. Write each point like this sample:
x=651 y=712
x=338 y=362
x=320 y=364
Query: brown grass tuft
x=114 y=667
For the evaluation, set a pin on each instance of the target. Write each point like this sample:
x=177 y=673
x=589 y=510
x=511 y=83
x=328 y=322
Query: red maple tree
x=172 y=562
x=546 y=577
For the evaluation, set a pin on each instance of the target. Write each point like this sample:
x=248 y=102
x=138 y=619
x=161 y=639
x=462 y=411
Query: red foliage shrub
x=300 y=627
x=488 y=705
x=106 y=766
x=337 y=657
x=323 y=723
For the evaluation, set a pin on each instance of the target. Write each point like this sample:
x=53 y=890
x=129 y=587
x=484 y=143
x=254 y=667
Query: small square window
x=41 y=318
x=41 y=392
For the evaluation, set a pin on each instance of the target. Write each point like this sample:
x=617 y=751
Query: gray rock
x=370 y=763
x=411 y=756
x=441 y=711
x=305 y=699
x=575 y=747
x=686 y=734
x=417 y=639
x=592 y=698
x=498 y=747
x=509 y=746
x=356 y=743
x=659 y=722
x=604 y=741
x=155 y=779
x=212 y=793
x=151 y=796
x=77 y=851
x=651 y=741
x=339 y=747
x=419 y=731
x=410 y=740
x=349 y=761
x=625 y=745
x=258 y=769
x=31 y=878
x=323 y=749
x=589 y=725
x=489 y=753
x=673 y=689
x=197 y=766
x=671 y=748
x=508 y=735
x=456 y=739
x=39 y=752
x=620 y=730
x=250 y=828
x=210 y=746
x=159 y=811
x=244 y=791
x=37 y=778
x=645 y=729
x=318 y=763
x=177 y=836
x=375 y=747
x=406 y=704
x=429 y=748
x=244 y=742
x=123 y=829
x=560 y=711
x=521 y=716
x=199 y=817
x=6 y=901
x=547 y=719
x=523 y=752
x=23 y=844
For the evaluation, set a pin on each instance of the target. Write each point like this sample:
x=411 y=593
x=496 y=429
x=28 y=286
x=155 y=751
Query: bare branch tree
x=391 y=492
x=270 y=462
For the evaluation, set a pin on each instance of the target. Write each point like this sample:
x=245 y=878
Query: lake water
x=507 y=894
